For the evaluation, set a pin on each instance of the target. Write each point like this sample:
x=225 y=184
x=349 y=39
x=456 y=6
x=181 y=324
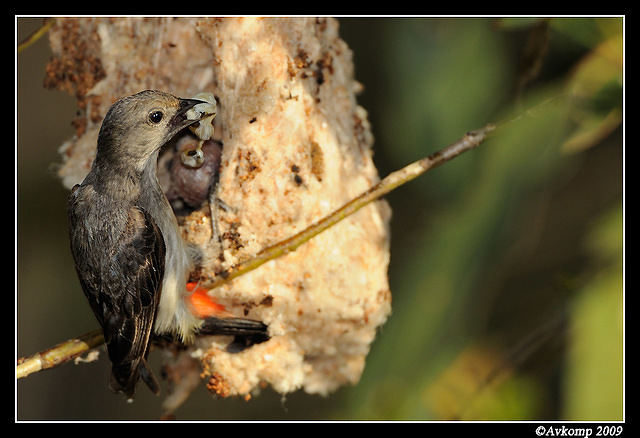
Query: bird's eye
x=156 y=116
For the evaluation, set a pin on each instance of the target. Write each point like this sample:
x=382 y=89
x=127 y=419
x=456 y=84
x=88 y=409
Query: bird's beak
x=186 y=104
x=182 y=119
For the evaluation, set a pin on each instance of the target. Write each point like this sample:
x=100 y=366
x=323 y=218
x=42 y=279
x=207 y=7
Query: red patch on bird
x=202 y=305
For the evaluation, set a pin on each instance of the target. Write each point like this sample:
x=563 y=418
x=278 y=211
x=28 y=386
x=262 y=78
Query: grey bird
x=131 y=260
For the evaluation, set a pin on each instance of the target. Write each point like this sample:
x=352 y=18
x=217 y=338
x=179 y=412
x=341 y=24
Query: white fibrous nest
x=295 y=147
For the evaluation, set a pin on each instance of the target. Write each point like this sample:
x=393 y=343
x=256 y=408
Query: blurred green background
x=506 y=263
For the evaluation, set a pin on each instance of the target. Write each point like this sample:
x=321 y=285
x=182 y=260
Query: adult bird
x=131 y=260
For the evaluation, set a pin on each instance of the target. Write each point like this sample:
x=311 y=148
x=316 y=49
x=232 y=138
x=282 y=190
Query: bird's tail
x=124 y=378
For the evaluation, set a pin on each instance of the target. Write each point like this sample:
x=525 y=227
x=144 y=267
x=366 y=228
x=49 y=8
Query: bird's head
x=137 y=126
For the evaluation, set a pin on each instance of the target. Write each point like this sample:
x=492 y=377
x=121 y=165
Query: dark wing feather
x=120 y=263
x=141 y=263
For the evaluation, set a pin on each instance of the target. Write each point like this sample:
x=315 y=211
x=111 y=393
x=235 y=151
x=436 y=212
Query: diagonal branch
x=73 y=348
x=37 y=34
x=386 y=185
x=59 y=354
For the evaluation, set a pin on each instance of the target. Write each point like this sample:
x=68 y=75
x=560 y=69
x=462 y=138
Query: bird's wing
x=122 y=280
x=140 y=263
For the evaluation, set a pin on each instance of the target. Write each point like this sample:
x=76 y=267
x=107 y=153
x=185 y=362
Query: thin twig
x=35 y=36
x=75 y=347
x=59 y=354
x=386 y=185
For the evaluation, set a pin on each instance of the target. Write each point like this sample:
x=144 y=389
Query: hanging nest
x=292 y=145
